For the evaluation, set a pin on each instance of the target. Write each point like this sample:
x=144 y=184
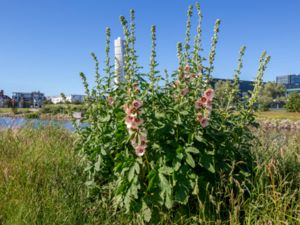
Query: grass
x=278 y=114
x=42 y=182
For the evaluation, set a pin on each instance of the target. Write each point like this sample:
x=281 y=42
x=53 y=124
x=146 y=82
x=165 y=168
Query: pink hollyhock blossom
x=203 y=100
x=134 y=143
x=138 y=121
x=198 y=104
x=209 y=94
x=143 y=140
x=184 y=91
x=187 y=68
x=110 y=100
x=136 y=104
x=129 y=119
x=132 y=126
x=127 y=110
x=204 y=122
x=199 y=116
x=140 y=150
x=209 y=105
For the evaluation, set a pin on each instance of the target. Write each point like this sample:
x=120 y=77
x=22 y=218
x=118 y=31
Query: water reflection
x=11 y=122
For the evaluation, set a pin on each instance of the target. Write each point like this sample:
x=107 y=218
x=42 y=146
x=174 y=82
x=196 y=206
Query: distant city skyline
x=45 y=44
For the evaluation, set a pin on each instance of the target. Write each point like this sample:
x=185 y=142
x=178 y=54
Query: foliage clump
x=293 y=102
x=160 y=145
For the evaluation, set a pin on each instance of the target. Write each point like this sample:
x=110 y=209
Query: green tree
x=293 y=102
x=271 y=94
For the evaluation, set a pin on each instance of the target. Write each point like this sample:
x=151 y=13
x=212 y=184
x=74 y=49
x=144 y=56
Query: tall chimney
x=119 y=60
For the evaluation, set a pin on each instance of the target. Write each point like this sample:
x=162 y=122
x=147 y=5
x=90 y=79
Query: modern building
x=69 y=98
x=28 y=100
x=291 y=82
x=4 y=100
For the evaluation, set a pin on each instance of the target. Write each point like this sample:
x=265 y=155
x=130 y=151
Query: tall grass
x=41 y=182
x=41 y=179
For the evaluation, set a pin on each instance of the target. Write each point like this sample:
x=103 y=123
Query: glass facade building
x=291 y=82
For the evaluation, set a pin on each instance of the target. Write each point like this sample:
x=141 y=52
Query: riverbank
x=37 y=115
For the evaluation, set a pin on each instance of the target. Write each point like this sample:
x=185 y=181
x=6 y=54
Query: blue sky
x=45 y=44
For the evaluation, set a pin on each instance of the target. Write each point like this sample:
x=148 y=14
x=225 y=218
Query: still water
x=11 y=122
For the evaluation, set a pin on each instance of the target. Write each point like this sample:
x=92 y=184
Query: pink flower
x=199 y=116
x=138 y=121
x=110 y=100
x=204 y=122
x=209 y=94
x=203 y=100
x=187 y=68
x=136 y=104
x=144 y=140
x=127 y=110
x=177 y=82
x=209 y=105
x=184 y=91
x=198 y=104
x=140 y=150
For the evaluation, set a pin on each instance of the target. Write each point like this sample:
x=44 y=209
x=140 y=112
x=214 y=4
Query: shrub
x=160 y=148
x=293 y=102
x=32 y=115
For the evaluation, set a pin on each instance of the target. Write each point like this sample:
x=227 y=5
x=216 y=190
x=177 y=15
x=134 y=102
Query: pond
x=13 y=122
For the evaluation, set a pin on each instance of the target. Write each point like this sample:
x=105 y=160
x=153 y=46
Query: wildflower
x=140 y=150
x=209 y=94
x=204 y=122
x=136 y=104
x=184 y=91
x=110 y=100
x=198 y=104
x=129 y=119
x=187 y=68
x=127 y=110
x=203 y=100
x=208 y=105
x=138 y=121
x=199 y=116
x=144 y=140
x=177 y=82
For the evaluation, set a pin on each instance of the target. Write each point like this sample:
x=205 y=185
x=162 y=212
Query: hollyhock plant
x=155 y=154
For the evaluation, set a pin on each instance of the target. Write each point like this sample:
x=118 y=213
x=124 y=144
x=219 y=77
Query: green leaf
x=207 y=162
x=98 y=163
x=103 y=152
x=192 y=150
x=137 y=168
x=105 y=119
x=190 y=160
x=131 y=173
x=196 y=188
x=185 y=113
x=166 y=170
x=146 y=212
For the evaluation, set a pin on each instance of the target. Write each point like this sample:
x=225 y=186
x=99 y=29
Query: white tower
x=119 y=60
